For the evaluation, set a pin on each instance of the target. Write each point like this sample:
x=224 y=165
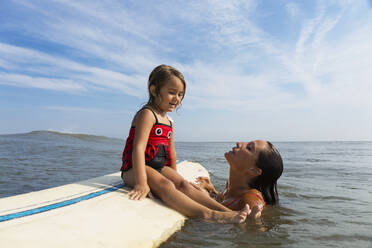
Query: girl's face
x=170 y=95
x=244 y=155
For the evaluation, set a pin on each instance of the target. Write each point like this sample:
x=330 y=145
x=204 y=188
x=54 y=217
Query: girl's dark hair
x=271 y=164
x=159 y=77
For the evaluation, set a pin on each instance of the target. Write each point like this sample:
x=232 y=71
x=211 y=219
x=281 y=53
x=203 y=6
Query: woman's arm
x=143 y=123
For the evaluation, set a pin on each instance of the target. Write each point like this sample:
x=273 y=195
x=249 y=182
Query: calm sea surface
x=325 y=191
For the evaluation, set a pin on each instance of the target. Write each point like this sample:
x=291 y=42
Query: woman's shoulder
x=253 y=197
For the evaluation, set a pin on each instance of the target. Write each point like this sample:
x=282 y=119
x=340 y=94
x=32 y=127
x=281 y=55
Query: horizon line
x=182 y=141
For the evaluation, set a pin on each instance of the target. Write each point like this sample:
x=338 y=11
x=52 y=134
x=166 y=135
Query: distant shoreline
x=82 y=135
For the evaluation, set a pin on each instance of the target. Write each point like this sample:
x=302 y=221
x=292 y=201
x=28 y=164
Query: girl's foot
x=256 y=212
x=230 y=217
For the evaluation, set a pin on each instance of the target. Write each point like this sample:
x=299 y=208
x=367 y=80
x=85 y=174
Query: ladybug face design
x=169 y=134
x=158 y=131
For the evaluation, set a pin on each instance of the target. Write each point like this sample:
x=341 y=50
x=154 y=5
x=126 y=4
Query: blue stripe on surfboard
x=63 y=203
x=59 y=204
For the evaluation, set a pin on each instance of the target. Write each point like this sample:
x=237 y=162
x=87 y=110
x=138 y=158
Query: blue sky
x=276 y=70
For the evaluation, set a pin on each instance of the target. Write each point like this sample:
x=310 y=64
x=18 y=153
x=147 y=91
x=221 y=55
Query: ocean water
x=325 y=190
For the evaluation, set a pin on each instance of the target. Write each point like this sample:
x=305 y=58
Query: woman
x=254 y=170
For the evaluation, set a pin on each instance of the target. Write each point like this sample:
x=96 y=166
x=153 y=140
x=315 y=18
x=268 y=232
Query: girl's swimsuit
x=157 y=153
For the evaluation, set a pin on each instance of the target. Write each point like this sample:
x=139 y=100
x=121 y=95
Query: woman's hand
x=139 y=192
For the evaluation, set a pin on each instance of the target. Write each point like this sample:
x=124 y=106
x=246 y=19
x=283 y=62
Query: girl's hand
x=200 y=189
x=139 y=192
x=205 y=183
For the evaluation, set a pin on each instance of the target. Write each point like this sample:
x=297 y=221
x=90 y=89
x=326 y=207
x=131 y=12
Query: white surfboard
x=91 y=213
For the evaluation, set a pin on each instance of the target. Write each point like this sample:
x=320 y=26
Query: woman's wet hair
x=159 y=77
x=271 y=164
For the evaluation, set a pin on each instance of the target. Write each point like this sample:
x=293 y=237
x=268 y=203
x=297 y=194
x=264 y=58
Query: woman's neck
x=237 y=184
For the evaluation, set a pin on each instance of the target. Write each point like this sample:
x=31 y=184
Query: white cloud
x=39 y=82
x=246 y=64
x=330 y=71
x=75 y=76
x=227 y=23
x=334 y=71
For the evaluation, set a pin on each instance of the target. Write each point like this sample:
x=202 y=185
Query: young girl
x=149 y=157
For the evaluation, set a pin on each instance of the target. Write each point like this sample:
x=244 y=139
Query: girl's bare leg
x=177 y=200
x=195 y=194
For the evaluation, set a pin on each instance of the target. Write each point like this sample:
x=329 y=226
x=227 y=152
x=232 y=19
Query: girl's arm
x=173 y=152
x=143 y=122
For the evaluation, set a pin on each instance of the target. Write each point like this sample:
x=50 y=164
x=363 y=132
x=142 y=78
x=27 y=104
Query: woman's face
x=244 y=155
